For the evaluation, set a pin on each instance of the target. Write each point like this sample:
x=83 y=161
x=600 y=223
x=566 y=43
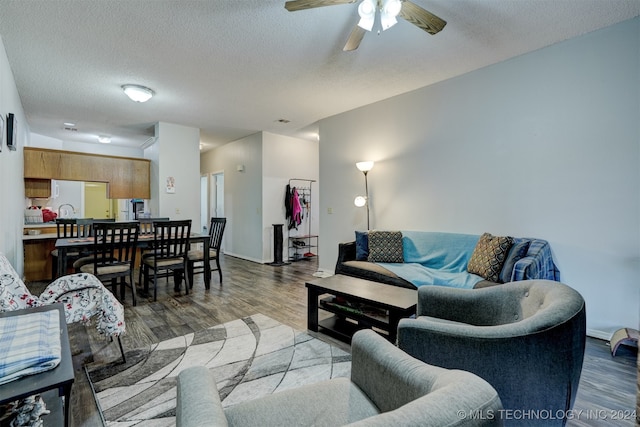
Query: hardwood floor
x=608 y=384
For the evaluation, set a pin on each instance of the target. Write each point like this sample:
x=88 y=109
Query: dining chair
x=146 y=233
x=195 y=262
x=85 y=230
x=114 y=254
x=67 y=228
x=168 y=254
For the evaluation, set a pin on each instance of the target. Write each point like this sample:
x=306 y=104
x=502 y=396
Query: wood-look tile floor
x=608 y=384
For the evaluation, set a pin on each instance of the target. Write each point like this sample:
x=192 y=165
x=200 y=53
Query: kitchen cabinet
x=130 y=180
x=127 y=178
x=40 y=163
x=37 y=251
x=37 y=188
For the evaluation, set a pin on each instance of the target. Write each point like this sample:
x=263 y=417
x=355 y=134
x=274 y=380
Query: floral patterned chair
x=83 y=295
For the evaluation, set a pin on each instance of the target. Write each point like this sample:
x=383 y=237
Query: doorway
x=204 y=203
x=211 y=197
x=96 y=204
x=218 y=196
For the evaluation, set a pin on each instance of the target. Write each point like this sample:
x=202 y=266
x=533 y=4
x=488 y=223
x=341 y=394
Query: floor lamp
x=361 y=201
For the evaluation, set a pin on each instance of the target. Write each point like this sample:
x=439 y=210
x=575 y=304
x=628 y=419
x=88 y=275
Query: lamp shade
x=360 y=201
x=364 y=166
x=138 y=93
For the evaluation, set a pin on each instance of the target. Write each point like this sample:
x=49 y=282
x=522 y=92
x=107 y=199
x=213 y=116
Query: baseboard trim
x=594 y=333
x=245 y=257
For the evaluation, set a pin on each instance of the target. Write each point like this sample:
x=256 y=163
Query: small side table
x=61 y=377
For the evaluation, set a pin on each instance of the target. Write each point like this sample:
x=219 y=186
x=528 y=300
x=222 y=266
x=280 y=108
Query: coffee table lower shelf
x=343 y=329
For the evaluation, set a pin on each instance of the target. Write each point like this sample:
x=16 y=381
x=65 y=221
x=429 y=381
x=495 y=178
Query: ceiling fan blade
x=354 y=39
x=293 y=5
x=421 y=18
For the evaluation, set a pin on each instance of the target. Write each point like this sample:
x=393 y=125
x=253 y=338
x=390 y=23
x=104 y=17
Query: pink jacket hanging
x=295 y=207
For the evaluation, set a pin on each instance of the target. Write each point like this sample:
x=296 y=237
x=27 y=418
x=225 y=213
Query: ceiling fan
x=388 y=10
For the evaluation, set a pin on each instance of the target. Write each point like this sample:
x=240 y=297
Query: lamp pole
x=366 y=195
x=364 y=167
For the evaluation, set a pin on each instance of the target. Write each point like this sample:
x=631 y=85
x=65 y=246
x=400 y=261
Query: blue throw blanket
x=29 y=344
x=432 y=258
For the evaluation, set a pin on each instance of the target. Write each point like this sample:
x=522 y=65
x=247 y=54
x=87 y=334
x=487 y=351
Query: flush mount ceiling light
x=138 y=93
x=104 y=139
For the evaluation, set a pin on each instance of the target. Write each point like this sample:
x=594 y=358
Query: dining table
x=145 y=241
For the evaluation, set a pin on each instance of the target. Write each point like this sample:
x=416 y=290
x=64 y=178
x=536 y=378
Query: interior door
x=96 y=204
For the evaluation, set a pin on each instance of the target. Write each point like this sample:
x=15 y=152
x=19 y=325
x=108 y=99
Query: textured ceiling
x=235 y=67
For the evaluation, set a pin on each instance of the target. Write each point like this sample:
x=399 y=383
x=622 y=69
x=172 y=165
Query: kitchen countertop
x=40 y=224
x=42 y=236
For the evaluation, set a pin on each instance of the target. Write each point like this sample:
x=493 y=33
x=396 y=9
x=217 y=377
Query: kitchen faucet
x=73 y=210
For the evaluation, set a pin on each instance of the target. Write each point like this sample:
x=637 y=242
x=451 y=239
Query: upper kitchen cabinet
x=39 y=163
x=38 y=188
x=127 y=178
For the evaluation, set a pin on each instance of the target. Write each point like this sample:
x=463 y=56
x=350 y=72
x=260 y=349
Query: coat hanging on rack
x=288 y=208
x=296 y=210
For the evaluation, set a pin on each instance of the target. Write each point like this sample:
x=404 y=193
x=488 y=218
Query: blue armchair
x=525 y=338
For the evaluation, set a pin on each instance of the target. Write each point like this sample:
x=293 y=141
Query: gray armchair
x=387 y=388
x=526 y=339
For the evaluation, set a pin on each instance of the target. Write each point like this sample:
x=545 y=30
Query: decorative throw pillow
x=488 y=256
x=385 y=246
x=516 y=253
x=362 y=245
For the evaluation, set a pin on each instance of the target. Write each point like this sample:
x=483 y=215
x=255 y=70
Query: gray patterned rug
x=250 y=357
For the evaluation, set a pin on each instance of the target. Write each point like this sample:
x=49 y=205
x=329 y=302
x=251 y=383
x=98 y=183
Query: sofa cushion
x=362 y=245
x=371 y=267
x=489 y=255
x=385 y=246
x=516 y=253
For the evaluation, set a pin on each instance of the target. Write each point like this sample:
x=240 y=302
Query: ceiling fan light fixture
x=367 y=12
x=390 y=9
x=138 y=93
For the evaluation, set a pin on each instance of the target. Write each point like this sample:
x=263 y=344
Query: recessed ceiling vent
x=283 y=121
x=71 y=129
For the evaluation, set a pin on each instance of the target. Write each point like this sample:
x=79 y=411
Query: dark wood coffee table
x=358 y=304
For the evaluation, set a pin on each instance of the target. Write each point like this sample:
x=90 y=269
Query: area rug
x=250 y=358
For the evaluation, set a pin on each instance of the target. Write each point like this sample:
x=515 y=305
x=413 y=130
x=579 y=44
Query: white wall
x=178 y=157
x=243 y=194
x=254 y=198
x=543 y=145
x=42 y=141
x=284 y=158
x=11 y=168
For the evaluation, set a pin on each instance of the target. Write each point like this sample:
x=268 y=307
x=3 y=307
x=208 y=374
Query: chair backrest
x=146 y=224
x=171 y=238
x=216 y=230
x=84 y=227
x=95 y=220
x=66 y=227
x=115 y=242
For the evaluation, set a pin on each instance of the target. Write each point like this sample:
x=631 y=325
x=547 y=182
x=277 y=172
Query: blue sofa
x=439 y=258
